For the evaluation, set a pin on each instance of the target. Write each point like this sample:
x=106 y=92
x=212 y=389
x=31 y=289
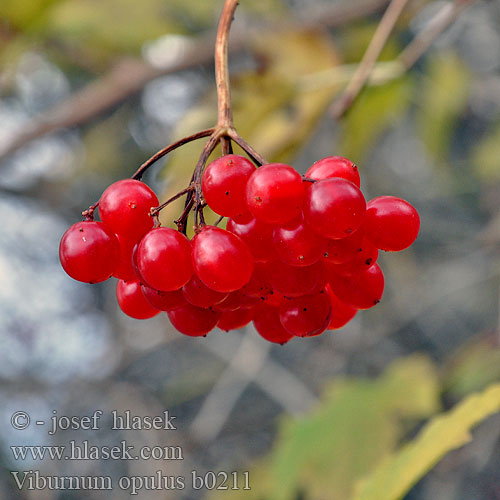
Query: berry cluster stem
x=224 y=132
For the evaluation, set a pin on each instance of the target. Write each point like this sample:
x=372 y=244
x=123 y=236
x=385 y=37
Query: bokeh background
x=89 y=90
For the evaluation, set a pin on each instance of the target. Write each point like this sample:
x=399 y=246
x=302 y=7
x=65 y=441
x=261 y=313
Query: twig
x=254 y=155
x=140 y=171
x=362 y=73
x=406 y=59
x=417 y=47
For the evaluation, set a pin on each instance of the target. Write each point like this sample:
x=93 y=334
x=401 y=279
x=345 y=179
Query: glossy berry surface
x=306 y=316
x=334 y=166
x=268 y=325
x=221 y=259
x=164 y=259
x=165 y=301
x=124 y=207
x=193 y=321
x=132 y=301
x=344 y=250
x=297 y=244
x=198 y=294
x=256 y=234
x=342 y=313
x=365 y=257
x=334 y=208
x=124 y=269
x=224 y=182
x=391 y=223
x=274 y=193
x=89 y=252
x=294 y=281
x=362 y=291
x=235 y=319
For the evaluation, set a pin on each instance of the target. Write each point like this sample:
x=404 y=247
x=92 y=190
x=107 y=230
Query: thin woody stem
x=140 y=171
x=363 y=71
x=225 y=116
x=256 y=157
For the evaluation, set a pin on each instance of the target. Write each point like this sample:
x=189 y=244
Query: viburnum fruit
x=193 y=321
x=224 y=182
x=165 y=301
x=306 y=316
x=297 y=244
x=342 y=313
x=363 y=290
x=391 y=223
x=221 y=259
x=164 y=259
x=89 y=252
x=132 y=301
x=124 y=207
x=274 y=193
x=298 y=255
x=267 y=323
x=334 y=166
x=334 y=207
x=256 y=234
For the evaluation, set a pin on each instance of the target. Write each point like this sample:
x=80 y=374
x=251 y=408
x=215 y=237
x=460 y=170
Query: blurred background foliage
x=363 y=413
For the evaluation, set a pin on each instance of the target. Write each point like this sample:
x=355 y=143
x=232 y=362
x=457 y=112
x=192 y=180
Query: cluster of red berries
x=298 y=255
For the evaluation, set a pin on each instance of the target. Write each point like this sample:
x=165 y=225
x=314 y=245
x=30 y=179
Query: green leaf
x=473 y=367
x=375 y=110
x=486 y=154
x=446 y=432
x=359 y=422
x=442 y=99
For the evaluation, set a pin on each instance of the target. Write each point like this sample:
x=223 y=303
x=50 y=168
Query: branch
x=404 y=62
x=363 y=71
x=130 y=76
x=446 y=16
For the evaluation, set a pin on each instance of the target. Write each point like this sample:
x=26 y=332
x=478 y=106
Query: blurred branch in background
x=129 y=76
x=408 y=57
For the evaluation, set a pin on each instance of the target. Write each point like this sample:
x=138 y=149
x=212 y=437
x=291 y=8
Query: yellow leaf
x=446 y=432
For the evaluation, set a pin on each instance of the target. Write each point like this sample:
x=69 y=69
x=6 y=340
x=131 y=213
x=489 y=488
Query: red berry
x=198 y=294
x=193 y=321
x=89 y=252
x=256 y=234
x=297 y=244
x=224 y=182
x=236 y=300
x=124 y=207
x=164 y=259
x=365 y=258
x=233 y=320
x=362 y=290
x=342 y=313
x=124 y=269
x=258 y=286
x=344 y=250
x=391 y=223
x=294 y=281
x=132 y=301
x=306 y=316
x=221 y=259
x=267 y=323
x=274 y=298
x=165 y=301
x=274 y=193
x=334 y=166
x=334 y=208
